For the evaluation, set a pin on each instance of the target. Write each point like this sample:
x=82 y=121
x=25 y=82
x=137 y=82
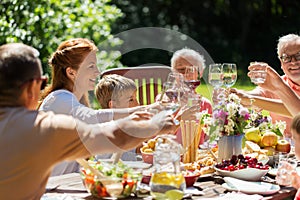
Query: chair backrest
x=148 y=79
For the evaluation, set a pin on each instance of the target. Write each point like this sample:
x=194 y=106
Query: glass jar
x=167 y=174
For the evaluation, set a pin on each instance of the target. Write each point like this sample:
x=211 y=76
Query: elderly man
x=288 y=50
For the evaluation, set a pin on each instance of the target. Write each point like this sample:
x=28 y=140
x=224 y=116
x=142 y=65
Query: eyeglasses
x=286 y=59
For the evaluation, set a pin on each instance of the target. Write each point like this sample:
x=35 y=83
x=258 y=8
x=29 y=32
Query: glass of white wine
x=171 y=98
x=215 y=75
x=229 y=74
x=215 y=79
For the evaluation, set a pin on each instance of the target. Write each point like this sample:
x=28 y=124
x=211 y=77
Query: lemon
x=174 y=194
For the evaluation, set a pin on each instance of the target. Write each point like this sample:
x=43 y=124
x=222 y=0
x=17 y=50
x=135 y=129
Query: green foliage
x=43 y=24
x=229 y=30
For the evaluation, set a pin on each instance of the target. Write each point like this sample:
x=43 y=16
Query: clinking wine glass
x=215 y=75
x=192 y=80
x=175 y=78
x=229 y=74
x=215 y=79
x=170 y=100
x=192 y=77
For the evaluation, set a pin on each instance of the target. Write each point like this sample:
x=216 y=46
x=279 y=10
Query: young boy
x=115 y=91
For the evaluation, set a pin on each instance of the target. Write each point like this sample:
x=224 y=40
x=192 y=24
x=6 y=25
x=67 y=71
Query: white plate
x=247 y=187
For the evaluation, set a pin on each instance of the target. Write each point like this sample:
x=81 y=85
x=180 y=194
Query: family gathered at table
x=47 y=129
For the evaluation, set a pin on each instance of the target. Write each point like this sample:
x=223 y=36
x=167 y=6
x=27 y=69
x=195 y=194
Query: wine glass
x=192 y=80
x=215 y=75
x=176 y=78
x=215 y=79
x=192 y=77
x=171 y=97
x=229 y=74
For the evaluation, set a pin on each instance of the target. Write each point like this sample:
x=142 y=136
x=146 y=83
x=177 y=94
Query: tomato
x=89 y=179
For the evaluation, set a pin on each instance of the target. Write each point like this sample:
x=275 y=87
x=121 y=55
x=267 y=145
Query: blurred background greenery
x=229 y=30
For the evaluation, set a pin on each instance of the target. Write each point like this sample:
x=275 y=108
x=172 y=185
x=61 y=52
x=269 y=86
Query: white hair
x=285 y=40
x=190 y=55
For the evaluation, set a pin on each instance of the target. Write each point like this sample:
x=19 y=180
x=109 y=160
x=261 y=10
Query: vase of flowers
x=229 y=145
x=227 y=124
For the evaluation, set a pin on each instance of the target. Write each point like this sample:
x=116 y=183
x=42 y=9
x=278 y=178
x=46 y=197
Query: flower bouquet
x=229 y=118
x=226 y=125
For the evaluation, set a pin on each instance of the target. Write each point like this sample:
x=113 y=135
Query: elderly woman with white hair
x=182 y=59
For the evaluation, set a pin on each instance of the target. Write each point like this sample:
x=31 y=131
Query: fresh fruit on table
x=253 y=134
x=283 y=146
x=240 y=162
x=269 y=139
x=261 y=144
x=270 y=150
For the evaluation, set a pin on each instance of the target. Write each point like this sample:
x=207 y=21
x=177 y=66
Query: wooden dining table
x=70 y=187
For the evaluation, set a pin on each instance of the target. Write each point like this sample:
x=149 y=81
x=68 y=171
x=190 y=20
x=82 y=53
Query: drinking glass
x=171 y=98
x=215 y=75
x=229 y=74
x=176 y=78
x=285 y=168
x=258 y=76
x=192 y=77
x=215 y=78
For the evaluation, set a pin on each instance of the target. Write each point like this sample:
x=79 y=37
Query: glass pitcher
x=167 y=174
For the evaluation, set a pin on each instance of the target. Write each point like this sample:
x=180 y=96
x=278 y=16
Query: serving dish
x=248 y=174
x=113 y=181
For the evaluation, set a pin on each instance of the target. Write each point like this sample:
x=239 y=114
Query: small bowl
x=247 y=174
x=108 y=186
x=190 y=179
x=147 y=157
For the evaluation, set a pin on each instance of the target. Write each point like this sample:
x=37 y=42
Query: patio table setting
x=210 y=186
x=244 y=157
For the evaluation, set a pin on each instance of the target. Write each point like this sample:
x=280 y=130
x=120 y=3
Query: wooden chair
x=149 y=80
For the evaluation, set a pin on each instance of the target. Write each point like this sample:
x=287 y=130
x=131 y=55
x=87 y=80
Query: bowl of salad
x=116 y=180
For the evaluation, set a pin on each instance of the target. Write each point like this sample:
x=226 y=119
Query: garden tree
x=230 y=30
x=43 y=24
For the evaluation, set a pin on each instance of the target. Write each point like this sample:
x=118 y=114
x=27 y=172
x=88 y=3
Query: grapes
x=241 y=162
x=240 y=156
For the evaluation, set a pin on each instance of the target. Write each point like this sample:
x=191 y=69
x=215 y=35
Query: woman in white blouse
x=74 y=73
